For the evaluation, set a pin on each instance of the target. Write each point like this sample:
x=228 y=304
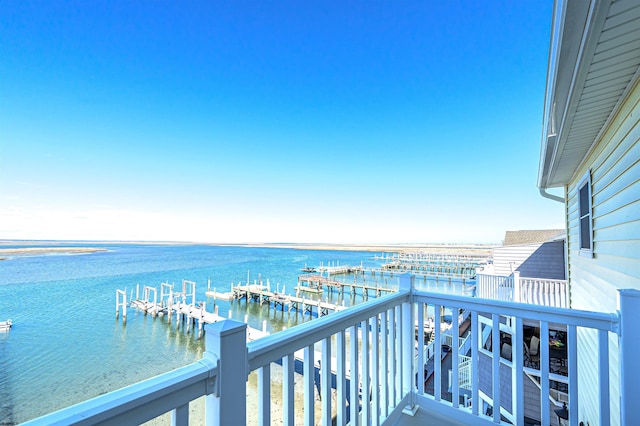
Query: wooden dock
x=191 y=313
x=314 y=281
x=418 y=263
x=337 y=269
x=261 y=294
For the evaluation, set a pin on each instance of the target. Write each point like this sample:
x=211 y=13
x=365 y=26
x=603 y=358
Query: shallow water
x=66 y=344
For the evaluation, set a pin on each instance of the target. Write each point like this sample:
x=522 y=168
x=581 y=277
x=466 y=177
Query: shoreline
x=48 y=247
x=461 y=249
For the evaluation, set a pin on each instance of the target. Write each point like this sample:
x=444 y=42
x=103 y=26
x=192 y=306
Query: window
x=584 y=202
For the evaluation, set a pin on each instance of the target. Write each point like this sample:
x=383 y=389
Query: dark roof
x=512 y=238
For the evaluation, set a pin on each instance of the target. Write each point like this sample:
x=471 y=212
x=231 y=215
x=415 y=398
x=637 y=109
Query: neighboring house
x=529 y=268
x=534 y=254
x=591 y=149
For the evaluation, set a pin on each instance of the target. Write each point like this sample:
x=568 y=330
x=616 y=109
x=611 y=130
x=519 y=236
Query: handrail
x=539 y=291
x=141 y=401
x=390 y=329
x=273 y=348
x=575 y=317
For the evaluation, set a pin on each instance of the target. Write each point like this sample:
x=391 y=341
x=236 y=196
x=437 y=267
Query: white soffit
x=607 y=69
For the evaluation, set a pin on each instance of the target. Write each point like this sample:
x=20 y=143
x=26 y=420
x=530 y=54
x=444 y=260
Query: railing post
x=226 y=343
x=629 y=306
x=516 y=287
x=407 y=282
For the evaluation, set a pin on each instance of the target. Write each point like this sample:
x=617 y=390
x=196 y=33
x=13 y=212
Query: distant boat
x=308 y=268
x=5 y=325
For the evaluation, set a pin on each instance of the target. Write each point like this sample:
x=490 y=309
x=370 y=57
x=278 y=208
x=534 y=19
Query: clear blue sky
x=300 y=121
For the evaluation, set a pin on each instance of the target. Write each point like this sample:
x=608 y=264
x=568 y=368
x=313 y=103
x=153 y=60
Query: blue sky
x=299 y=121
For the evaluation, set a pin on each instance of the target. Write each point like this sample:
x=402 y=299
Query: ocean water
x=66 y=345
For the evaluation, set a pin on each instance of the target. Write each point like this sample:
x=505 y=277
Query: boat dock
x=313 y=283
x=337 y=269
x=181 y=304
x=262 y=294
x=418 y=263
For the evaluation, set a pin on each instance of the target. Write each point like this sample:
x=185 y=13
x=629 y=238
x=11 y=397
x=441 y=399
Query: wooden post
x=201 y=319
x=123 y=304
x=155 y=302
x=226 y=344
x=124 y=307
x=162 y=293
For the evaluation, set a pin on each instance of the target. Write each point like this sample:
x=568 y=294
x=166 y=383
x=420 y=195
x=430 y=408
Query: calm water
x=66 y=345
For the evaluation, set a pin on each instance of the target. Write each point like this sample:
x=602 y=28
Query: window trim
x=585 y=181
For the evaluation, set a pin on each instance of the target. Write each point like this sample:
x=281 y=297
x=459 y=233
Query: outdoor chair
x=534 y=352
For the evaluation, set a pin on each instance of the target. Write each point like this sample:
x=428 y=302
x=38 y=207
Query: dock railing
x=377 y=380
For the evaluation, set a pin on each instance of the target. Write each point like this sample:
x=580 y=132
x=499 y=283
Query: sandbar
x=43 y=251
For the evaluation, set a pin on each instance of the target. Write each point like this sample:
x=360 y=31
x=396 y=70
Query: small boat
x=308 y=289
x=5 y=325
x=309 y=269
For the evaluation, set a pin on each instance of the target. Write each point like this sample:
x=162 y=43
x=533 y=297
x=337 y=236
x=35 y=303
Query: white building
x=591 y=149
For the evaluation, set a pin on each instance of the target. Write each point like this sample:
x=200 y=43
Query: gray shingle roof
x=512 y=238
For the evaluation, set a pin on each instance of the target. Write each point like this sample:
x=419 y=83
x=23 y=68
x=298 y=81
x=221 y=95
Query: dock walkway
x=314 y=281
x=262 y=294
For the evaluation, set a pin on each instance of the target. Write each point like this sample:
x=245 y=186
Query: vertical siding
x=615 y=173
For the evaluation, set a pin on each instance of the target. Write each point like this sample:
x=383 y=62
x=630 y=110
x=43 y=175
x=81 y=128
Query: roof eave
x=574 y=36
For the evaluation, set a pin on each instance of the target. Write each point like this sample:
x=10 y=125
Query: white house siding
x=538 y=260
x=615 y=172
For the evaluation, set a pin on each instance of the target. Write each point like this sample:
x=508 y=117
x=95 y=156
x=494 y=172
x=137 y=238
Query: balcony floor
x=422 y=417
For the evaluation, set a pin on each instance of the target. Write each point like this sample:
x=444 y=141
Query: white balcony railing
x=369 y=349
x=534 y=291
